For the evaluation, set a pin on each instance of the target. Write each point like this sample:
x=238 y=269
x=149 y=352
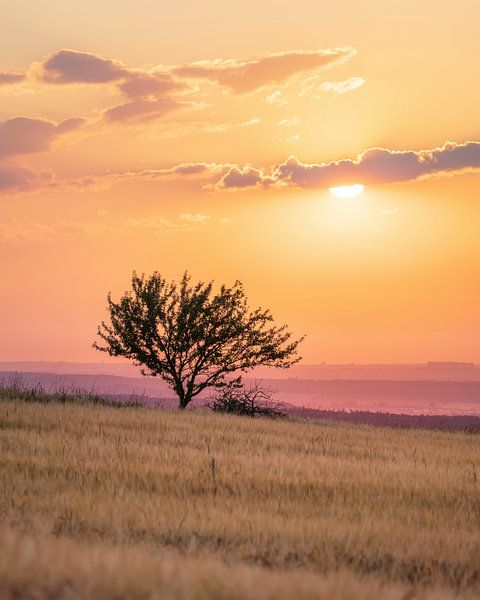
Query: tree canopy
x=192 y=336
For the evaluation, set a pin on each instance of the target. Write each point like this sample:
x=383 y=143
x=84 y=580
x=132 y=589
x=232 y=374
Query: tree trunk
x=185 y=394
x=184 y=401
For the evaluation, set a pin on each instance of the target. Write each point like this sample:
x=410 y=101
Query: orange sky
x=139 y=135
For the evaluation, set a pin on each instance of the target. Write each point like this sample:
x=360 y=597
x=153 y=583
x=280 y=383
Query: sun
x=347 y=191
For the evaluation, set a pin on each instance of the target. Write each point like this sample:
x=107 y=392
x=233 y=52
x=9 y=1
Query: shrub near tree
x=191 y=336
x=250 y=401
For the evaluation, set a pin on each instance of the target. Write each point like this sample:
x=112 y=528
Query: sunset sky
x=205 y=136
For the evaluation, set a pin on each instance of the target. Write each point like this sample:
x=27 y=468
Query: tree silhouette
x=191 y=336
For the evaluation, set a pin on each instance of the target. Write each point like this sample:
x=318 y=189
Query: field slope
x=99 y=502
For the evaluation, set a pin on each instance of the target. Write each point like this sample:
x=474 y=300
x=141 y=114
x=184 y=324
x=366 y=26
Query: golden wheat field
x=100 y=502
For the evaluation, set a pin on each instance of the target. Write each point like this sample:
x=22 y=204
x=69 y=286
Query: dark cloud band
x=374 y=166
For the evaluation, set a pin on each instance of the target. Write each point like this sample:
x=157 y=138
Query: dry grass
x=143 y=504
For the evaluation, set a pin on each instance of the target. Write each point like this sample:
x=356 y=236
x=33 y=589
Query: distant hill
x=122 y=369
x=393 y=396
x=436 y=371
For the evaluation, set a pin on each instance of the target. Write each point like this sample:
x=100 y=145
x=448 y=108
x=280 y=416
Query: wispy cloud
x=277 y=98
x=342 y=87
x=17 y=231
x=10 y=77
x=226 y=220
x=293 y=139
x=141 y=110
x=183 y=171
x=290 y=122
x=194 y=218
x=15 y=178
x=252 y=121
x=150 y=84
x=314 y=85
x=243 y=76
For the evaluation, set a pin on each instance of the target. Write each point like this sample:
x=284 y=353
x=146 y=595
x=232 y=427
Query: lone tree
x=191 y=336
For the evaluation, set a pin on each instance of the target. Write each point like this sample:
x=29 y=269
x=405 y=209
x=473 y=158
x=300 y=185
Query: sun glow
x=347 y=191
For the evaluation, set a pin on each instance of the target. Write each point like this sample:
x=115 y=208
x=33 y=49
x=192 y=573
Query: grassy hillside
x=104 y=503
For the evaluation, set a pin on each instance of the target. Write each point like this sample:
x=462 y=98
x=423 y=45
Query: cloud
x=194 y=218
x=160 y=225
x=70 y=125
x=141 y=110
x=14 y=178
x=16 y=231
x=96 y=183
x=9 y=77
x=71 y=66
x=240 y=76
x=155 y=225
x=242 y=177
x=144 y=85
x=292 y=139
x=25 y=135
x=374 y=166
x=252 y=121
x=313 y=85
x=276 y=99
x=243 y=76
x=151 y=96
x=199 y=168
x=149 y=93
x=342 y=87
x=378 y=165
x=289 y=122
